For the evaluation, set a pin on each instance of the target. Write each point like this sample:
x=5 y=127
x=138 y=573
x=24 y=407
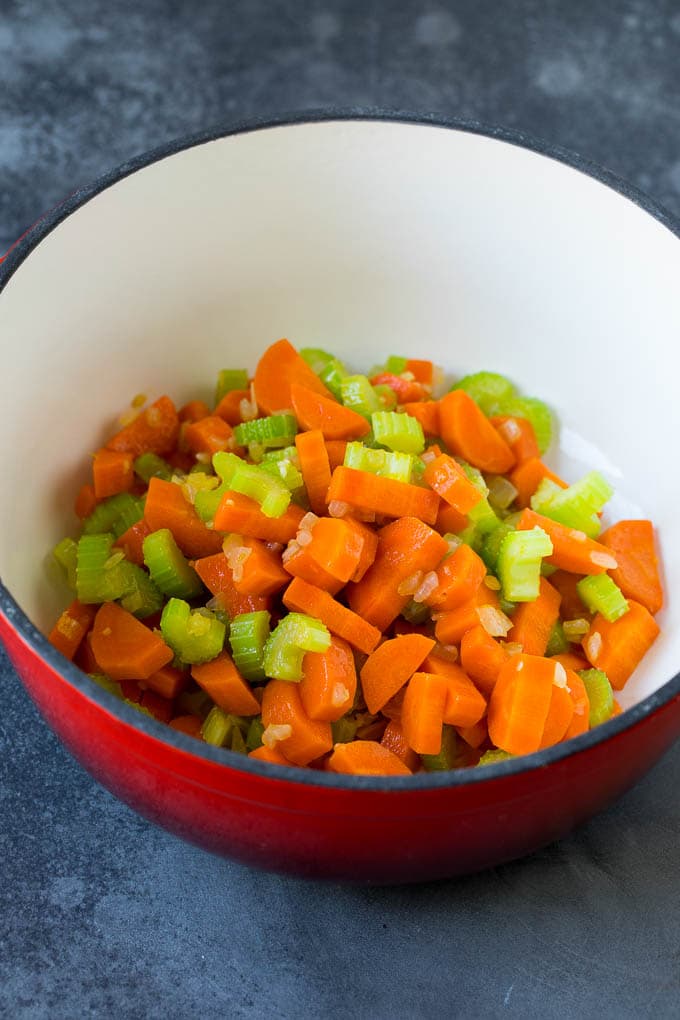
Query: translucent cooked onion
x=501 y=491
x=494 y=622
x=274 y=733
x=428 y=584
x=336 y=508
x=410 y=584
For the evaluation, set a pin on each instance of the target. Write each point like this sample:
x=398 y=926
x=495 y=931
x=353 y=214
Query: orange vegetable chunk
x=166 y=507
x=469 y=434
x=533 y=621
x=334 y=420
x=302 y=597
x=390 y=666
x=366 y=758
x=314 y=467
x=309 y=738
x=520 y=702
x=279 y=367
x=329 y=681
x=422 y=714
x=482 y=657
x=154 y=430
x=572 y=549
x=527 y=477
x=71 y=627
x=637 y=573
x=447 y=478
x=124 y=648
x=385 y=496
x=112 y=473
x=222 y=681
x=464 y=706
x=242 y=515
x=618 y=648
x=459 y=577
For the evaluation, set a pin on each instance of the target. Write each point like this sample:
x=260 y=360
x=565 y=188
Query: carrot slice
x=422 y=369
x=261 y=571
x=422 y=714
x=427 y=413
x=464 y=705
x=168 y=682
x=366 y=758
x=85 y=501
x=579 y=695
x=337 y=547
x=404 y=547
x=559 y=718
x=382 y=495
x=329 y=681
x=218 y=578
x=570 y=661
x=572 y=549
x=112 y=473
x=222 y=681
x=124 y=648
x=315 y=467
x=452 y=625
x=533 y=621
x=458 y=579
x=482 y=658
x=527 y=477
x=468 y=433
x=520 y=702
x=207 y=435
x=332 y=419
x=307 y=598
x=166 y=507
x=71 y=628
x=450 y=520
x=406 y=390
x=301 y=563
x=637 y=573
x=447 y=478
x=229 y=407
x=336 y=449
x=277 y=369
x=519 y=434
x=390 y=666
x=132 y=542
x=474 y=736
x=309 y=738
x=154 y=430
x=394 y=740
x=194 y=410
x=241 y=514
x=270 y=754
x=368 y=549
x=618 y=648
x=189 y=724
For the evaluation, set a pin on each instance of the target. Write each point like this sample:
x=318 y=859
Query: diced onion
x=428 y=584
x=336 y=508
x=274 y=733
x=340 y=695
x=601 y=559
x=410 y=584
x=308 y=522
x=501 y=491
x=492 y=582
x=574 y=630
x=593 y=646
x=428 y=456
x=510 y=430
x=304 y=538
x=494 y=622
x=560 y=677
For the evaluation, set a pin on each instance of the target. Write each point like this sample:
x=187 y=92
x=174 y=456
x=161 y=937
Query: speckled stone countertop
x=103 y=915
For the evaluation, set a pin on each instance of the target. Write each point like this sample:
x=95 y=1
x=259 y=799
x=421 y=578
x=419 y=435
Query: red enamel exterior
x=340 y=832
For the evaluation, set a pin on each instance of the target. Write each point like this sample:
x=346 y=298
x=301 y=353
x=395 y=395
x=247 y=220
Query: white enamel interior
x=367 y=238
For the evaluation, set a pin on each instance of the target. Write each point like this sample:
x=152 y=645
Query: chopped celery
x=398 y=432
x=254 y=734
x=194 y=635
x=445 y=759
x=101 y=571
x=415 y=612
x=492 y=544
x=269 y=492
x=194 y=703
x=226 y=465
x=238 y=744
x=600 y=695
x=285 y=471
x=66 y=555
x=386 y=396
x=395 y=364
x=142 y=598
x=199 y=468
x=115 y=514
x=519 y=563
x=229 y=379
x=107 y=684
x=344 y=730
x=272 y=431
x=332 y=375
x=356 y=392
x=150 y=465
x=385 y=463
x=557 y=642
x=284 y=453
x=206 y=501
x=576 y=506
x=483 y=518
x=601 y=595
x=285 y=648
x=537 y=413
x=247 y=636
x=488 y=389
x=169 y=569
x=490 y=757
x=217 y=727
x=316 y=358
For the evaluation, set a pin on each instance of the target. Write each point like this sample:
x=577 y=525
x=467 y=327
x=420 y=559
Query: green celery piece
x=194 y=635
x=115 y=514
x=248 y=636
x=101 y=570
x=576 y=506
x=169 y=568
x=229 y=379
x=519 y=563
x=217 y=727
x=269 y=492
x=470 y=536
x=536 y=412
x=399 y=432
x=600 y=695
x=254 y=734
x=285 y=471
x=487 y=389
x=385 y=463
x=332 y=375
x=395 y=365
x=316 y=358
x=200 y=468
x=446 y=758
x=506 y=606
x=285 y=648
x=358 y=394
x=344 y=730
x=415 y=612
x=194 y=703
x=66 y=555
x=491 y=757
x=150 y=465
x=238 y=744
x=484 y=519
x=602 y=595
x=557 y=642
x=142 y=598
x=273 y=431
x=386 y=396
x=107 y=684
x=492 y=544
x=284 y=453
x=206 y=501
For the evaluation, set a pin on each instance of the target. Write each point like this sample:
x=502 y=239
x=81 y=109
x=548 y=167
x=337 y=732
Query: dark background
x=102 y=915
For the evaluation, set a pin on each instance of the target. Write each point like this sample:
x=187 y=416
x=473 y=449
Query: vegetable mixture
x=340 y=571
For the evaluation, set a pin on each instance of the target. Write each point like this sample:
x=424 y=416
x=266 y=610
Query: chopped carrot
x=464 y=705
x=390 y=666
x=207 y=435
x=315 y=467
x=168 y=682
x=194 y=410
x=579 y=695
x=132 y=541
x=394 y=740
x=422 y=369
x=458 y=579
x=520 y=702
x=368 y=549
x=71 y=627
x=124 y=648
x=474 y=736
x=337 y=547
x=329 y=681
x=336 y=449
x=261 y=572
x=637 y=573
x=112 y=473
x=85 y=502
x=222 y=681
x=527 y=477
x=422 y=714
x=533 y=621
x=332 y=419
x=570 y=661
x=366 y=758
x=218 y=578
x=572 y=549
x=309 y=738
x=166 y=507
x=242 y=515
x=616 y=709
x=482 y=658
x=450 y=520
x=279 y=367
x=519 y=434
x=270 y=754
x=131 y=691
x=618 y=648
x=427 y=413
x=189 y=724
x=387 y=496
x=468 y=433
x=154 y=430
x=84 y=657
x=571 y=606
x=447 y=478
x=229 y=407
x=307 y=598
x=452 y=625
x=299 y=562
x=559 y=718
x=159 y=707
x=405 y=546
